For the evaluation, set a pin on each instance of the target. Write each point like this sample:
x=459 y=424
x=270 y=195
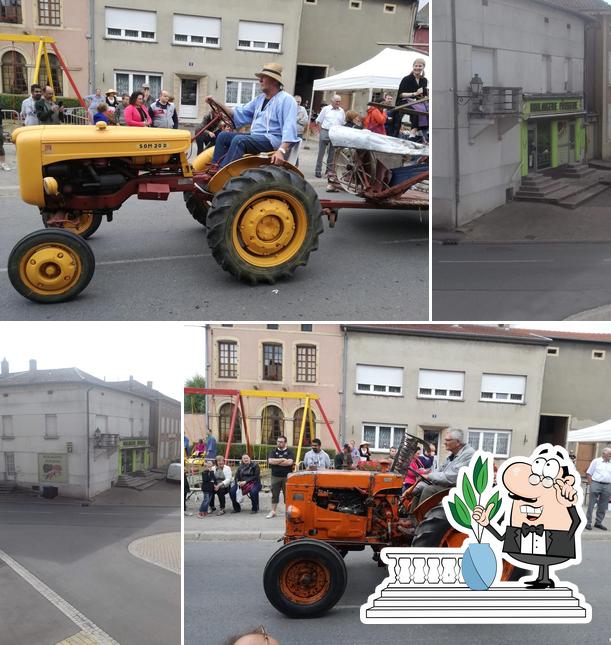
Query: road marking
x=160 y=258
x=492 y=261
x=408 y=241
x=64 y=606
x=34 y=512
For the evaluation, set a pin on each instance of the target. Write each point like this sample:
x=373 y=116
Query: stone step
x=600 y=164
x=583 y=196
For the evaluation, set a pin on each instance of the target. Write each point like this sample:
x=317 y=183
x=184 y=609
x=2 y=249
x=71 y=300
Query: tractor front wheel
x=264 y=224
x=51 y=265
x=84 y=224
x=305 y=578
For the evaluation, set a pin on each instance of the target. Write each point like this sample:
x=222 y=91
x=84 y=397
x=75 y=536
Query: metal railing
x=498 y=101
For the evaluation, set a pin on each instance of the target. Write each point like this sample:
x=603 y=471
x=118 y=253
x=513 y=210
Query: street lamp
x=475 y=92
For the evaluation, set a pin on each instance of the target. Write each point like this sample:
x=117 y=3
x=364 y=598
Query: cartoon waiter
x=544 y=513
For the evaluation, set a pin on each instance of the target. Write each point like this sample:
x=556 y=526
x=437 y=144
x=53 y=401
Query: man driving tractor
x=272 y=117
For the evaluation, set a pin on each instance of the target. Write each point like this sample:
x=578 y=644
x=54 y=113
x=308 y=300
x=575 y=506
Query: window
x=7 y=427
x=10 y=11
x=56 y=80
x=259 y=35
x=307 y=435
x=310 y=1
x=49 y=13
x=127 y=82
x=503 y=388
x=390 y=8
x=355 y=4
x=272 y=362
x=553 y=351
x=441 y=384
x=14 y=73
x=197 y=30
x=131 y=24
x=306 y=364
x=494 y=441
x=273 y=326
x=225 y=424
x=374 y=379
x=240 y=91
x=272 y=424
x=306 y=327
x=50 y=426
x=228 y=359
x=598 y=355
x=9 y=464
x=383 y=437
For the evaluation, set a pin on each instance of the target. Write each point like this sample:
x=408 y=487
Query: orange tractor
x=330 y=513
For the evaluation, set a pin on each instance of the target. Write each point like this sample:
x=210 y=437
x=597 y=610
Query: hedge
x=260 y=451
x=14 y=101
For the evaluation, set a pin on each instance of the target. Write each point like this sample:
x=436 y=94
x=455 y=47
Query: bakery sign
x=52 y=468
x=555 y=106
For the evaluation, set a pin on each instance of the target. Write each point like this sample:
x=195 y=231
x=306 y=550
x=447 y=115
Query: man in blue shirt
x=273 y=119
x=210 y=445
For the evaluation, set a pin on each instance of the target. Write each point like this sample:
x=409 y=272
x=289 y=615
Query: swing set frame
x=237 y=399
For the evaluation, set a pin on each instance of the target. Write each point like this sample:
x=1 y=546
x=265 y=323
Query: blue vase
x=479 y=566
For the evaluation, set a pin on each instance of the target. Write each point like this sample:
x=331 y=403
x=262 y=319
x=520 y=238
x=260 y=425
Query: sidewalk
x=9 y=180
x=162 y=549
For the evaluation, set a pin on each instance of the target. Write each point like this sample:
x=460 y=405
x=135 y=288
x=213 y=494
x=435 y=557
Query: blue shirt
x=210 y=447
x=278 y=122
x=100 y=116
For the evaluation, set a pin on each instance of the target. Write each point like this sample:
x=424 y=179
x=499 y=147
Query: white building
x=66 y=428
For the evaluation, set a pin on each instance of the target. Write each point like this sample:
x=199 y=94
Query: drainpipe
x=455 y=111
x=92 y=47
x=343 y=426
x=88 y=450
x=207 y=370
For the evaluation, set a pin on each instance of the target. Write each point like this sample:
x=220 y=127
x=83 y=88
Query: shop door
x=544 y=145
x=563 y=143
x=532 y=148
x=138 y=459
x=188 y=99
x=572 y=142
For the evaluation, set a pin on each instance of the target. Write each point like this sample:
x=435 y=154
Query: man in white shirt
x=317 y=458
x=28 y=109
x=329 y=116
x=599 y=479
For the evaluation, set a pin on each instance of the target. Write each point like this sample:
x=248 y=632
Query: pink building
x=67 y=21
x=283 y=358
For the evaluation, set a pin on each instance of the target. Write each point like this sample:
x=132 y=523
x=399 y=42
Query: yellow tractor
x=263 y=220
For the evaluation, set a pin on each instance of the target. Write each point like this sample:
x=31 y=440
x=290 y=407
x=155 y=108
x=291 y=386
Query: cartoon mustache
x=524 y=499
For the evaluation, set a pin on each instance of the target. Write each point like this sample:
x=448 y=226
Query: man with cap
x=273 y=119
x=147 y=97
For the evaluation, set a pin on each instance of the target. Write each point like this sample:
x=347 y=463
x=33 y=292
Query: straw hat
x=273 y=70
x=364 y=443
x=110 y=91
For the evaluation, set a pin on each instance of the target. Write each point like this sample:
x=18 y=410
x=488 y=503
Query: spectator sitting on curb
x=316 y=458
x=248 y=480
x=208 y=482
x=222 y=477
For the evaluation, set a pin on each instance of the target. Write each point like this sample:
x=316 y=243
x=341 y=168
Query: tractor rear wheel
x=51 y=265
x=83 y=225
x=198 y=210
x=264 y=224
x=305 y=578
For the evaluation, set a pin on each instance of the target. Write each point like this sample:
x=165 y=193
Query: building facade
x=282 y=358
x=196 y=49
x=423 y=379
x=576 y=389
x=67 y=21
x=66 y=428
x=529 y=111
x=164 y=426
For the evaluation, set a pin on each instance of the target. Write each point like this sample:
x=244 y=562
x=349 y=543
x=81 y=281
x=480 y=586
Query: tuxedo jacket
x=559 y=543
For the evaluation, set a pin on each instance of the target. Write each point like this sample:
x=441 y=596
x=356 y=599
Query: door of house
x=188 y=98
x=572 y=142
x=585 y=454
x=563 y=143
x=544 y=145
x=532 y=147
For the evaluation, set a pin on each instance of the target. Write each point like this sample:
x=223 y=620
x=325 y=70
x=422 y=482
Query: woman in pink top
x=410 y=477
x=136 y=113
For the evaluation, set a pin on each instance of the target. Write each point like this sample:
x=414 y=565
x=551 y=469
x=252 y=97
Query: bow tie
x=528 y=528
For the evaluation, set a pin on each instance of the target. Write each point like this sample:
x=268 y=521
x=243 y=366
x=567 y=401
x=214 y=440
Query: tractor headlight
x=51 y=186
x=293 y=513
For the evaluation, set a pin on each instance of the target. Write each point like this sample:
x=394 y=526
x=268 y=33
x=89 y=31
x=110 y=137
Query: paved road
x=531 y=281
x=81 y=554
x=236 y=569
x=153 y=263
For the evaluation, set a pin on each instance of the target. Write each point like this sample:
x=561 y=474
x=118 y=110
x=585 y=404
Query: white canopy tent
x=601 y=432
x=384 y=71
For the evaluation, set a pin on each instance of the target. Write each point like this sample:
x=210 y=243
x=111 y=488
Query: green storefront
x=134 y=455
x=552 y=132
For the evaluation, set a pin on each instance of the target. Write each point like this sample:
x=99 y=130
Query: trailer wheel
x=305 y=578
x=51 y=265
x=83 y=225
x=198 y=210
x=264 y=224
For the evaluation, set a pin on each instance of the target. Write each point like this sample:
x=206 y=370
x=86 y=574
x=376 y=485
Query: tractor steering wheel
x=220 y=112
x=418 y=475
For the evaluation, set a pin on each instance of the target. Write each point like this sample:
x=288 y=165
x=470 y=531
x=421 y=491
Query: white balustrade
x=434 y=566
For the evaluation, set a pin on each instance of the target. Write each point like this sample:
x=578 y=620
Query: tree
x=195 y=403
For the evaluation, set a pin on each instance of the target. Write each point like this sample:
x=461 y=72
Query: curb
x=207 y=536
x=597 y=313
